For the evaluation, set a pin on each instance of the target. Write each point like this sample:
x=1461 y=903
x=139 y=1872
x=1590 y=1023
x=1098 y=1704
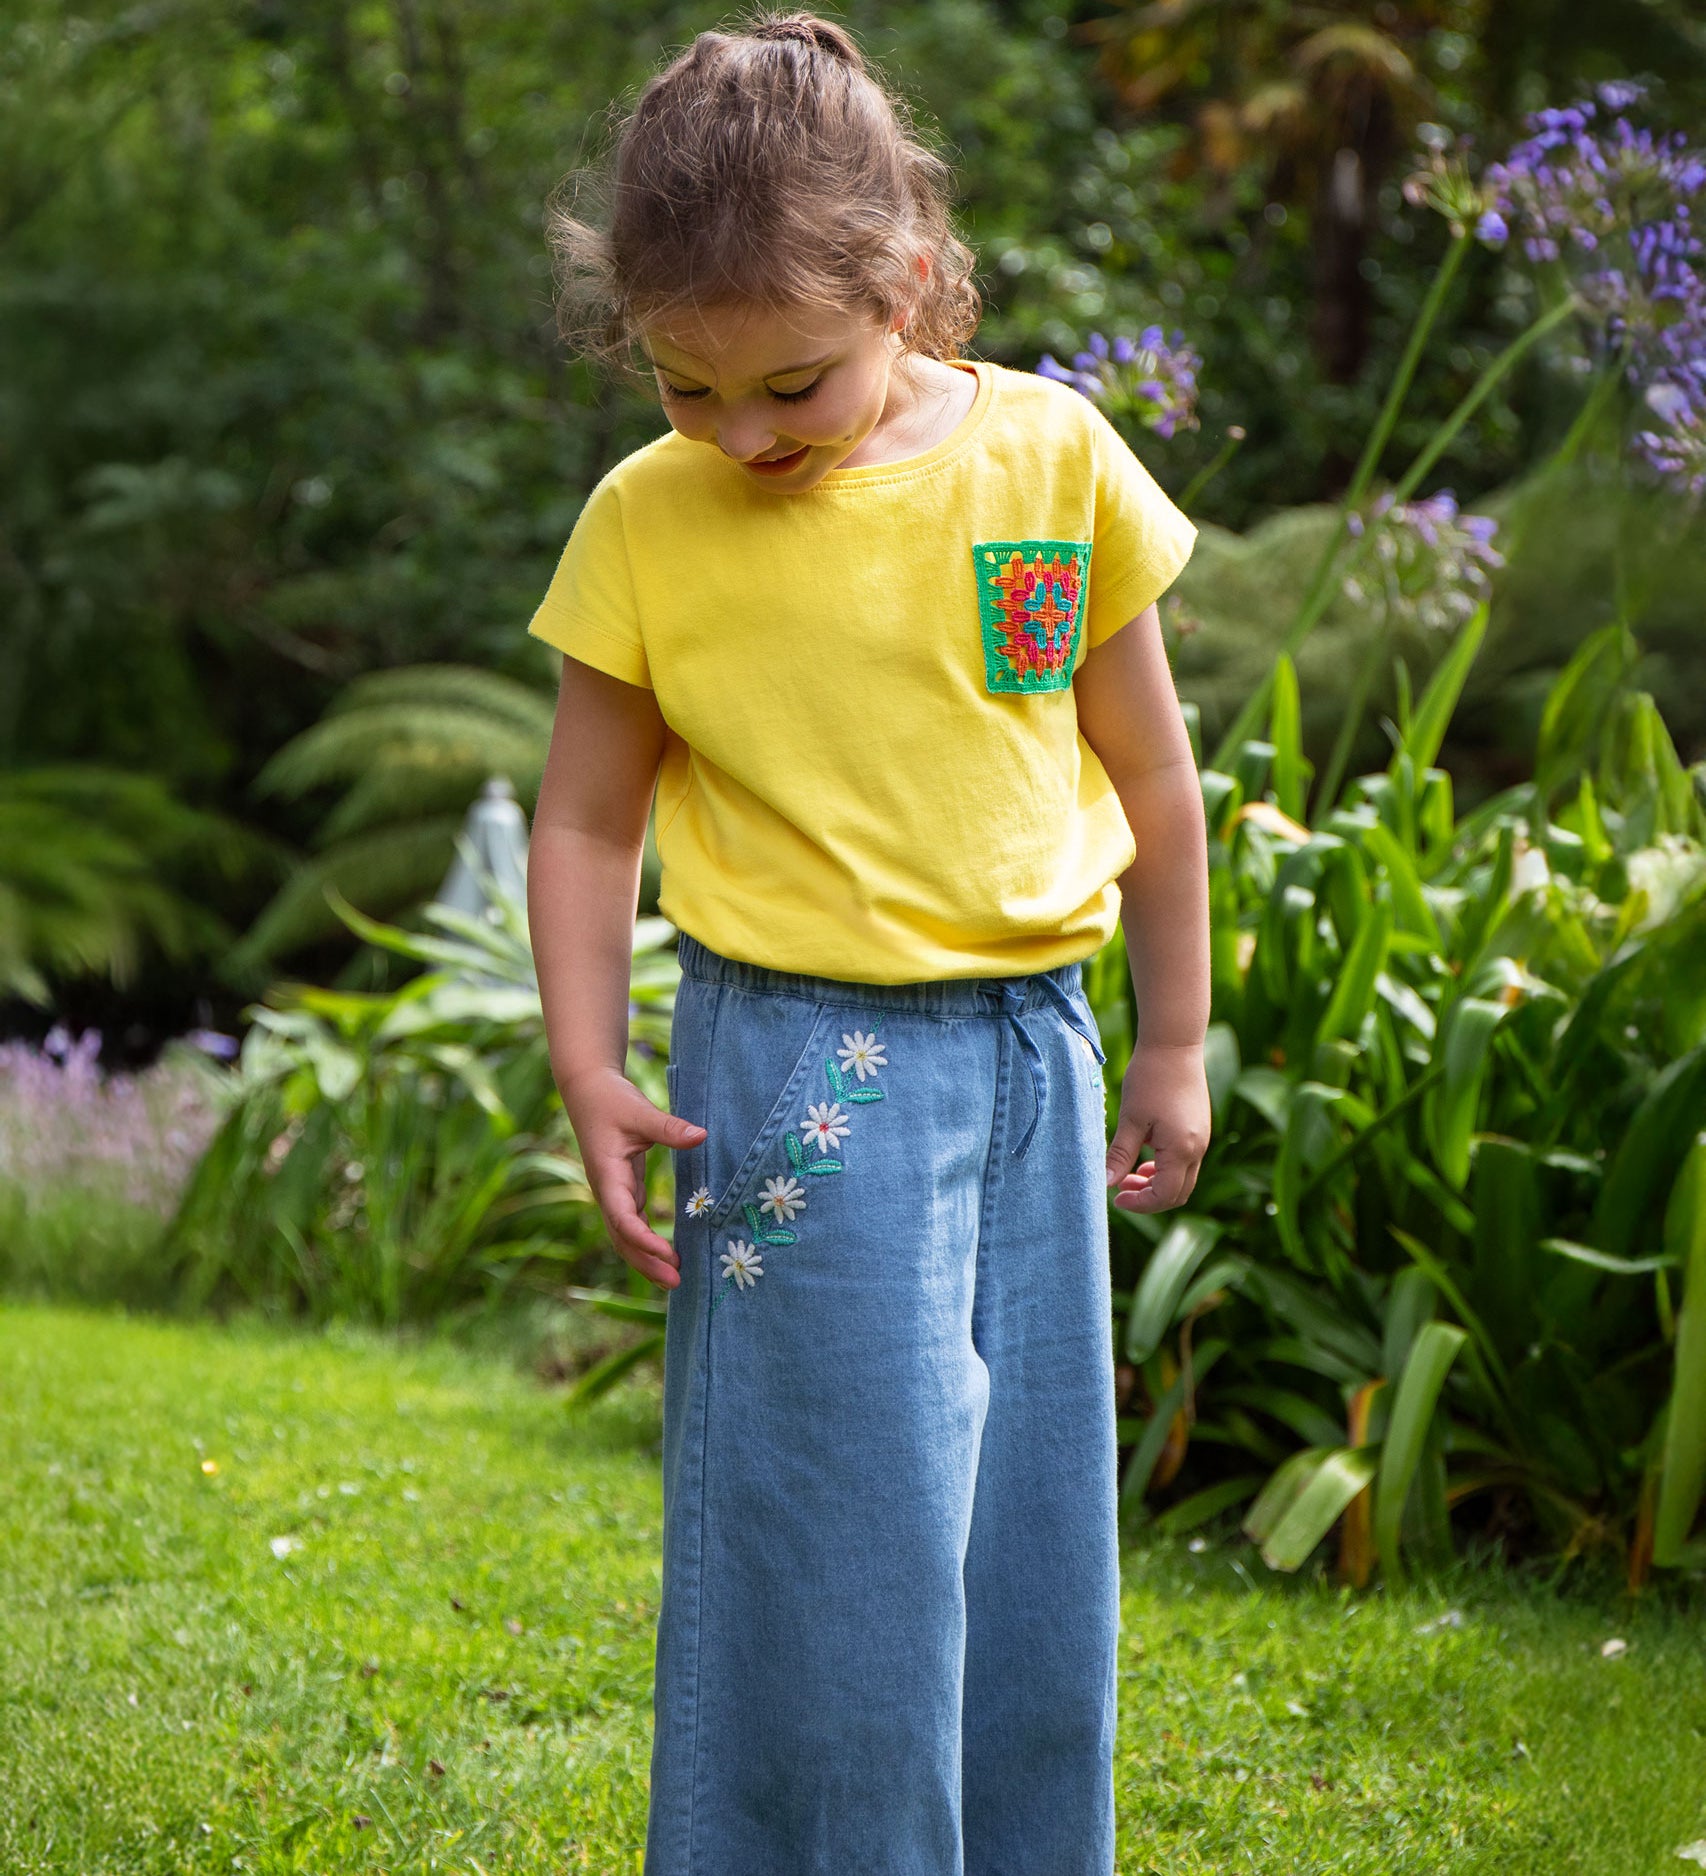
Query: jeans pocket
x=766 y=1055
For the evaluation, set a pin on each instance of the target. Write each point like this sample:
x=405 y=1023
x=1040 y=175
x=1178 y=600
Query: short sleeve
x=589 y=612
x=1141 y=540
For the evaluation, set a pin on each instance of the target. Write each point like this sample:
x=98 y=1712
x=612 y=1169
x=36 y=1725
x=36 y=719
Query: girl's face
x=789 y=395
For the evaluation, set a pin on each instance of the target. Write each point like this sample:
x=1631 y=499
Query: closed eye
x=797 y=397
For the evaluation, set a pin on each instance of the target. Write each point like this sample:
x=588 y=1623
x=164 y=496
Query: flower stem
x=1589 y=413
x=1327 y=790
x=1209 y=471
x=1319 y=594
x=1477 y=395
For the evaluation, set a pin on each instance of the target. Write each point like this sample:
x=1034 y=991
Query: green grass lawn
x=447 y=1668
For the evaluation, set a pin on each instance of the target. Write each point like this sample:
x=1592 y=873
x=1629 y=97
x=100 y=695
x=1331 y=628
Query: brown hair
x=766 y=164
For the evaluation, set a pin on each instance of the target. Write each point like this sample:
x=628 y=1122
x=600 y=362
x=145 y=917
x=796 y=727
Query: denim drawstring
x=1012 y=1007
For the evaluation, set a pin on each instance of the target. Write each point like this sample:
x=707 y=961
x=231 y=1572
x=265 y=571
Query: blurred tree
x=1323 y=100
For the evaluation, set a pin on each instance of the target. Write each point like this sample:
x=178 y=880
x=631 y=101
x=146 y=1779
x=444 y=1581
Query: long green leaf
x=1404 y=881
x=1431 y=1356
x=1324 y=1490
x=652 y=1309
x=1445 y=687
x=1296 y=1412
x=1656 y=1139
x=1286 y=734
x=1452 y=1108
x=1604 y=1260
x=1276 y=1498
x=1353 y=994
x=1154 y=1436
x=604 y=1376
x=1577 y=705
x=1448 y=1288
x=1409 y=1308
x=1683 y=1478
x=1188 y=1513
x=1188 y=1240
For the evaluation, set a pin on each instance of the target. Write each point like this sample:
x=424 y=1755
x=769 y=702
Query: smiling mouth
x=778 y=465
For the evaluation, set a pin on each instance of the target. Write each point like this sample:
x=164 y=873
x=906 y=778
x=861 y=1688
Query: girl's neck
x=927 y=400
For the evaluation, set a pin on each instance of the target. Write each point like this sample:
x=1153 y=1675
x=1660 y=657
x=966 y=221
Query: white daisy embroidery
x=699 y=1204
x=743 y=1263
x=825 y=1125
x=861 y=1054
x=783 y=1197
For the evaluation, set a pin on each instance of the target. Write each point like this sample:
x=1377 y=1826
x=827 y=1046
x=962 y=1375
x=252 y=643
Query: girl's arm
x=583 y=883
x=1128 y=712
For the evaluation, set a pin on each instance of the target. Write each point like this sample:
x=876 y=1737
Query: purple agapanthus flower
x=1150 y=379
x=1676 y=450
x=1431 y=562
x=1618 y=209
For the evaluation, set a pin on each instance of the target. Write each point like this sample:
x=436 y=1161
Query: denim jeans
x=890 y=1607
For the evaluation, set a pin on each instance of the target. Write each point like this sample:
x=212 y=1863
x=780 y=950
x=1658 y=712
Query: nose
x=744 y=441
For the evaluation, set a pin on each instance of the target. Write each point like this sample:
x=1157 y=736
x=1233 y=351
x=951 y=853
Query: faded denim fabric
x=891 y=1577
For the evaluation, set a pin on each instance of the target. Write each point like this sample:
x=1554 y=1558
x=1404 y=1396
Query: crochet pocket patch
x=1030 y=600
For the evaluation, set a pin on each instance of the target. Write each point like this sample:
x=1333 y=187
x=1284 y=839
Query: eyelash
x=678 y=396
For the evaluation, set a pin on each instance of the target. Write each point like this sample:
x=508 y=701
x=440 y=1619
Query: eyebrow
x=782 y=371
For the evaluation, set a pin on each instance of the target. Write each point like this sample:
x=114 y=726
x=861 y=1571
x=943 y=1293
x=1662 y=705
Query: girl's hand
x=1164 y=1104
x=615 y=1124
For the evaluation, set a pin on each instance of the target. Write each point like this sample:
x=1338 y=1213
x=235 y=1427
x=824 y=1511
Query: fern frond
x=379 y=872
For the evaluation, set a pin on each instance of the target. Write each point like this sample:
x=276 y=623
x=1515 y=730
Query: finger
x=661 y=1129
x=1133 y=1186
x=665 y=1276
x=614 y=1190
x=1171 y=1179
x=1123 y=1149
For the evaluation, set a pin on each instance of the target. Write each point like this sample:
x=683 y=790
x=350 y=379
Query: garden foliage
x=396 y=1155
x=1447 y=1247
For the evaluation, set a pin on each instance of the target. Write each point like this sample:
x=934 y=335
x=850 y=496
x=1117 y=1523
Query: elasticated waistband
x=947 y=996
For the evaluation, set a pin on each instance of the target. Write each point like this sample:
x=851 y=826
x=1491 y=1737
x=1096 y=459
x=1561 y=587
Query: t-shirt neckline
x=908 y=468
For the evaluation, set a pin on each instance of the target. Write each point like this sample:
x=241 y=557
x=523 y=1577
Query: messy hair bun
x=767 y=164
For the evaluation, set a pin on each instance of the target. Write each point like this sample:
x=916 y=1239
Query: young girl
x=877 y=624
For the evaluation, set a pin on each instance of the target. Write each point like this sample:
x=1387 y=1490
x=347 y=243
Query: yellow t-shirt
x=873 y=769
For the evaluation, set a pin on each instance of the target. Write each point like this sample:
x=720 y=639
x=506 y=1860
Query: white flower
x=743 y=1263
x=826 y=1125
x=861 y=1055
x=784 y=1197
x=283 y=1546
x=699 y=1204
